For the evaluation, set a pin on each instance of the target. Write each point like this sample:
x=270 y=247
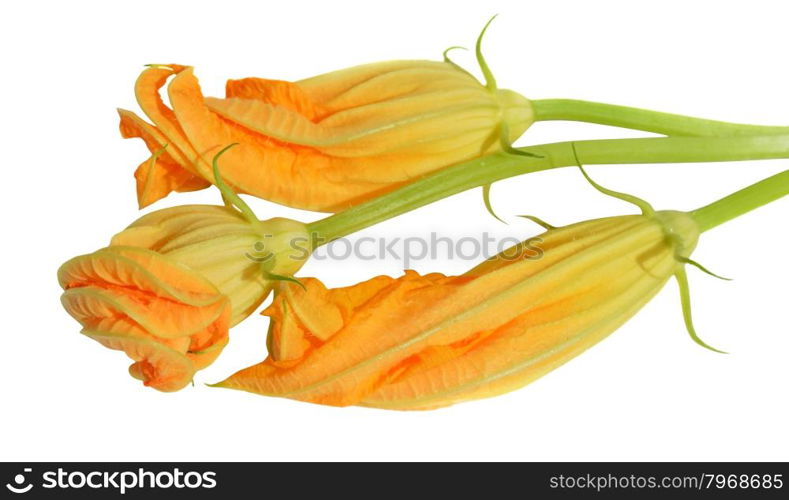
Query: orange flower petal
x=132 y=126
x=156 y=178
x=157 y=365
x=146 y=89
x=206 y=346
x=162 y=365
x=287 y=340
x=162 y=173
x=360 y=85
x=284 y=94
x=166 y=299
x=139 y=268
x=202 y=359
x=275 y=121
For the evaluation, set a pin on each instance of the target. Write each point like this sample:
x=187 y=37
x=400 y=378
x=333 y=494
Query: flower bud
x=169 y=287
x=237 y=256
x=324 y=143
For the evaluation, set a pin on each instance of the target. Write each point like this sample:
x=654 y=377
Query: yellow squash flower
x=167 y=288
x=166 y=317
x=421 y=342
x=324 y=143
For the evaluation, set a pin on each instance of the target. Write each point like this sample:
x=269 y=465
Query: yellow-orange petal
x=163 y=172
x=132 y=126
x=165 y=298
x=356 y=86
x=146 y=89
x=206 y=346
x=287 y=340
x=308 y=315
x=277 y=122
x=156 y=178
x=138 y=268
x=157 y=365
x=387 y=128
x=280 y=93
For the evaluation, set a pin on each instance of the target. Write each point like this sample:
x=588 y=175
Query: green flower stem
x=642 y=119
x=502 y=165
x=742 y=202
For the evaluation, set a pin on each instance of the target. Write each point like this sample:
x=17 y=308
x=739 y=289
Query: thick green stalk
x=497 y=166
x=742 y=202
x=642 y=119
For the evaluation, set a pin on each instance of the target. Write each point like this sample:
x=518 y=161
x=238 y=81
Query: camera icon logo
x=19 y=483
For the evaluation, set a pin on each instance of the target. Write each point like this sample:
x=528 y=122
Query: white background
x=645 y=393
